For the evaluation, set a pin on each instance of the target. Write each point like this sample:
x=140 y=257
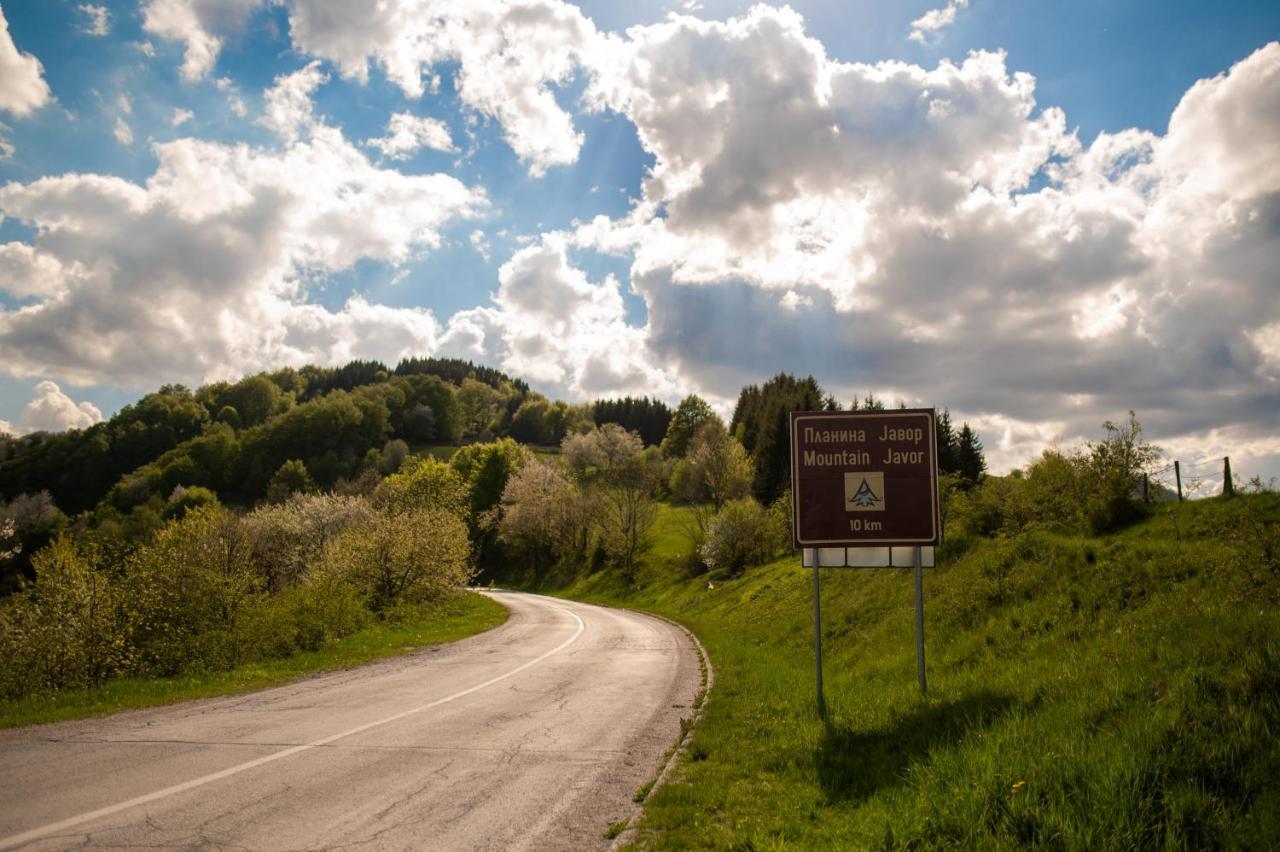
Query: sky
x=1036 y=215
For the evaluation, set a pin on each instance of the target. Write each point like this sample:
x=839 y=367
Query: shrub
x=195 y=589
x=291 y=478
x=183 y=500
x=416 y=555
x=424 y=483
x=69 y=629
x=324 y=609
x=392 y=457
x=540 y=514
x=288 y=539
x=742 y=534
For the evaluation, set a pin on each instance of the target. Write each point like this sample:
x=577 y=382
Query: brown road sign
x=864 y=478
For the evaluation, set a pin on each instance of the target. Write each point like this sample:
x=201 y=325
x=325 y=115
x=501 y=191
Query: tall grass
x=1085 y=692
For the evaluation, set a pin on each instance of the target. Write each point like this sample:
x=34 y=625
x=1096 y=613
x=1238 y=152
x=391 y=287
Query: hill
x=1110 y=691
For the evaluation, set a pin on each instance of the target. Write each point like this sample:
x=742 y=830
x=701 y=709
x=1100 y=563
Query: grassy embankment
x=457 y=618
x=1085 y=693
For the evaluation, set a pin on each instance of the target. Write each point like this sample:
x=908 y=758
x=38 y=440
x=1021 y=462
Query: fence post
x=1228 y=488
x=1177 y=474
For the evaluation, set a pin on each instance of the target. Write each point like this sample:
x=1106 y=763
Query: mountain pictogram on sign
x=864 y=497
x=864 y=491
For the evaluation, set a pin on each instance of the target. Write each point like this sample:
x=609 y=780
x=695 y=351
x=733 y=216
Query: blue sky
x=981 y=205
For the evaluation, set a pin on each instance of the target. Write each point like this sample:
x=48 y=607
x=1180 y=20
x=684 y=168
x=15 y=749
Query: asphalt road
x=534 y=735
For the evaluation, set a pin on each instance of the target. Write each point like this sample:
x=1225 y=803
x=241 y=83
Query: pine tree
x=762 y=422
x=948 y=460
x=969 y=456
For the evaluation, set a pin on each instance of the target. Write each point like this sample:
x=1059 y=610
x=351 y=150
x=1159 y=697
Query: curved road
x=534 y=735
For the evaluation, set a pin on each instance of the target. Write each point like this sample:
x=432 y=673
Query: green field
x=1085 y=693
x=457 y=618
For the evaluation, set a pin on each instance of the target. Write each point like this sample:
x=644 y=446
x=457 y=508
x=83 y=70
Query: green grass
x=443 y=452
x=1113 y=692
x=457 y=618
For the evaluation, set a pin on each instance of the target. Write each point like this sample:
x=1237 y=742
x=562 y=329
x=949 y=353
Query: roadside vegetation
x=1103 y=672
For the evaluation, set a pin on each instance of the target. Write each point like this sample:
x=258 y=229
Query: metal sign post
x=865 y=479
x=920 y=621
x=817 y=632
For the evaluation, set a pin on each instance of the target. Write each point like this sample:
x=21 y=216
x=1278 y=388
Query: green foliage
x=1116 y=691
x=486 y=468
x=291 y=478
x=761 y=421
x=649 y=417
x=69 y=629
x=196 y=594
x=425 y=483
x=392 y=457
x=480 y=408
x=413 y=555
x=246 y=403
x=211 y=590
x=78 y=467
x=531 y=424
x=970 y=463
x=429 y=411
x=1095 y=489
x=544 y=423
x=455 y=618
x=183 y=500
x=742 y=534
x=456 y=371
x=692 y=412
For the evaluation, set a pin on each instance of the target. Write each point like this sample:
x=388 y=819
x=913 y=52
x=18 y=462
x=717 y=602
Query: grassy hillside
x=1111 y=692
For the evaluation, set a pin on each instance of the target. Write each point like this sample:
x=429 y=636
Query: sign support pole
x=817 y=630
x=919 y=620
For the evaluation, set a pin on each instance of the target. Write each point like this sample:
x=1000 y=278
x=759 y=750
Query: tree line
x=278 y=519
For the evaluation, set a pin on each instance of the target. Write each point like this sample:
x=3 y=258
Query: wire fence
x=1189 y=480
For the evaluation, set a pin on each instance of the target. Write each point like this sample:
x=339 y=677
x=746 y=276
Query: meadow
x=1085 y=692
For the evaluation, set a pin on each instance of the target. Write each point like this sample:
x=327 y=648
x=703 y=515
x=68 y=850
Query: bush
x=183 y=500
x=424 y=483
x=744 y=533
x=416 y=555
x=291 y=478
x=324 y=609
x=69 y=629
x=288 y=539
x=196 y=590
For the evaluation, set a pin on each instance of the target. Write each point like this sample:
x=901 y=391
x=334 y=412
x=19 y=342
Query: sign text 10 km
x=864 y=478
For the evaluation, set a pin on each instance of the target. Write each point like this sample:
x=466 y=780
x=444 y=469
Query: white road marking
x=25 y=837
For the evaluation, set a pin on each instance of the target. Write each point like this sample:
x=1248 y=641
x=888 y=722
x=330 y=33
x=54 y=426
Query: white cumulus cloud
x=203 y=271
x=934 y=21
x=53 y=411
x=289 y=110
x=406 y=133
x=22 y=85
x=552 y=326
x=202 y=25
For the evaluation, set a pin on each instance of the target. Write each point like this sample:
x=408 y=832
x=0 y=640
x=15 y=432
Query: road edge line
x=16 y=840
